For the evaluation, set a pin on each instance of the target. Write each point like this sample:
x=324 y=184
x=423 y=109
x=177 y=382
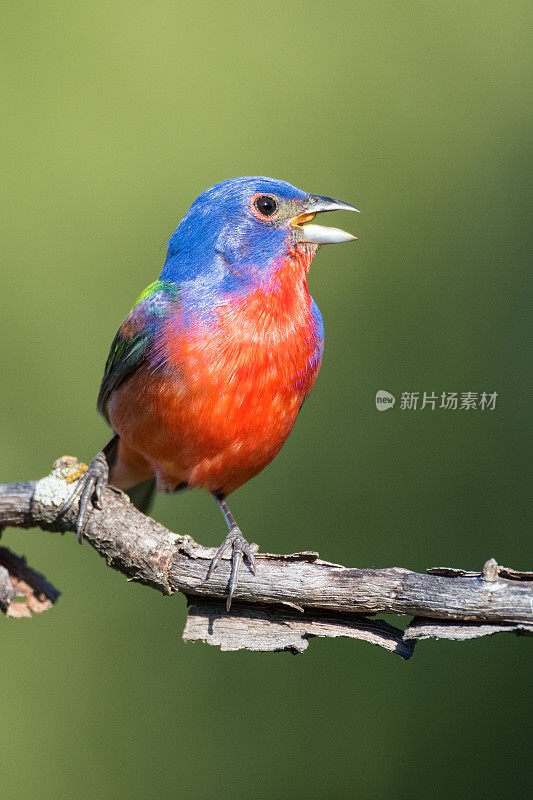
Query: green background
x=116 y=115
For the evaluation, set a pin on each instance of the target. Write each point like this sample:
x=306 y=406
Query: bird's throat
x=278 y=305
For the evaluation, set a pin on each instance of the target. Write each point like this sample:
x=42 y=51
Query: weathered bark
x=292 y=597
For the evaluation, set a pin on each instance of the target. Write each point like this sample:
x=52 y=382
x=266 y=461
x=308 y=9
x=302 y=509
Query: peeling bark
x=291 y=599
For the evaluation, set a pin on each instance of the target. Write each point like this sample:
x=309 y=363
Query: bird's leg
x=90 y=486
x=239 y=546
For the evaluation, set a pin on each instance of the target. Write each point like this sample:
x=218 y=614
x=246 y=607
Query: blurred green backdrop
x=115 y=116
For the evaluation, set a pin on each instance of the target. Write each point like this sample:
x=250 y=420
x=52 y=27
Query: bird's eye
x=266 y=205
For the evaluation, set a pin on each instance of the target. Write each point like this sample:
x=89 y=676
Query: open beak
x=319 y=234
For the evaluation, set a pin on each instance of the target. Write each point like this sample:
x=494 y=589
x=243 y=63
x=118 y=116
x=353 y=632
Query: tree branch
x=291 y=599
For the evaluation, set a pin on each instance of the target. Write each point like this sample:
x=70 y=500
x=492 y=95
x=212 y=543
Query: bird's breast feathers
x=217 y=396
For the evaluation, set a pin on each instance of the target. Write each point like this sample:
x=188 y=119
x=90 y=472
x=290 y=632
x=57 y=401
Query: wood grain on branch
x=291 y=599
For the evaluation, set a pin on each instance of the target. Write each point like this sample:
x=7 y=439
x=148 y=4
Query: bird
x=208 y=372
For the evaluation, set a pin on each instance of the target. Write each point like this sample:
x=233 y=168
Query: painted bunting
x=207 y=374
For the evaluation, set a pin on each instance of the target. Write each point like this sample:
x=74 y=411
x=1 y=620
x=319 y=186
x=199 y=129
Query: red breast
x=229 y=392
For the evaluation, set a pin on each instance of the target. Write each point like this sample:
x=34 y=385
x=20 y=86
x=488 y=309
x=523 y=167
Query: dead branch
x=291 y=599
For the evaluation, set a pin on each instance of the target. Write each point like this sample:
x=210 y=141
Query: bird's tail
x=143 y=495
x=129 y=471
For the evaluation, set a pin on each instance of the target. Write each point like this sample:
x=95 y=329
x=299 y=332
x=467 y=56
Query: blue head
x=235 y=231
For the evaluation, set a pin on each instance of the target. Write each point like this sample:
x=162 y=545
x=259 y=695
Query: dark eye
x=266 y=205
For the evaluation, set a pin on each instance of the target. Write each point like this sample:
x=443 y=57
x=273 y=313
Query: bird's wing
x=134 y=337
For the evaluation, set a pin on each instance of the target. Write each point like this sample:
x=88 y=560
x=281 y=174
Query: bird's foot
x=88 y=492
x=240 y=547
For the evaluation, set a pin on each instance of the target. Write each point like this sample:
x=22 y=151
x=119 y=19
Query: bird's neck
x=279 y=303
x=273 y=322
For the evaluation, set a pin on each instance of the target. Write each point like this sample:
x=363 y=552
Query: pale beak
x=319 y=234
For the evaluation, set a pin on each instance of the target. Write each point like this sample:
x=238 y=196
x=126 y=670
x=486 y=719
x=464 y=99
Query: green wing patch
x=134 y=337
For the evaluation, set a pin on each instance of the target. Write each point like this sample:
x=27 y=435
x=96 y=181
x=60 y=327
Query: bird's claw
x=240 y=547
x=88 y=490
